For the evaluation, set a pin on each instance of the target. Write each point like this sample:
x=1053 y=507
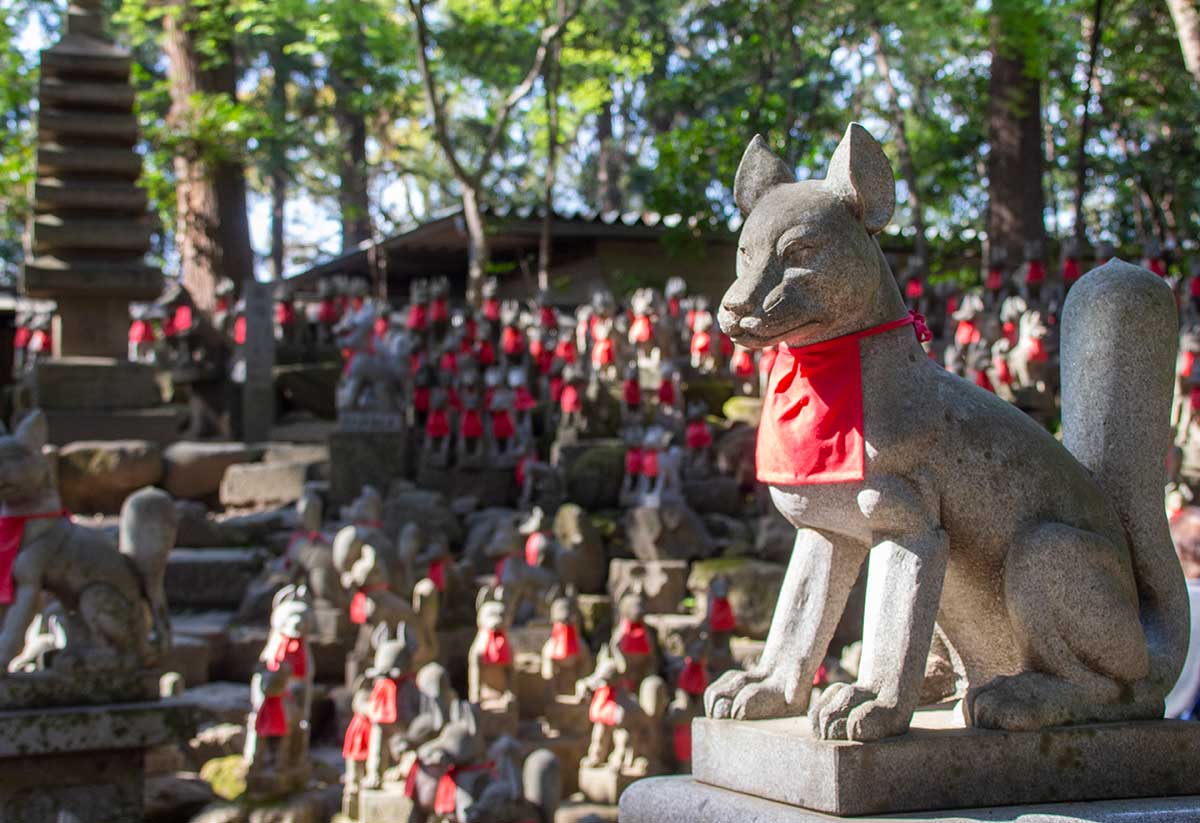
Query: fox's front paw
x=753 y=695
x=849 y=712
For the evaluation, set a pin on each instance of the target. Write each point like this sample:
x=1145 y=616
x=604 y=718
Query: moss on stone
x=226 y=775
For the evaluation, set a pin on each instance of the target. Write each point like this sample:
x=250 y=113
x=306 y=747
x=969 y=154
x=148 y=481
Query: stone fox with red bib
x=1044 y=569
x=116 y=612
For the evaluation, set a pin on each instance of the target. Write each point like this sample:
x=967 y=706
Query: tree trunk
x=550 y=79
x=608 y=161
x=1085 y=124
x=478 y=251
x=1016 y=200
x=903 y=150
x=213 y=233
x=1186 y=14
x=278 y=162
x=353 y=201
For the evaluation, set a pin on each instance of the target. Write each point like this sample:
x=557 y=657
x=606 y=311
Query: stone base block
x=82 y=764
x=491 y=487
x=54 y=688
x=498 y=717
x=162 y=424
x=683 y=799
x=663 y=581
x=90 y=384
x=386 y=805
x=941 y=765
x=358 y=459
x=265 y=484
x=603 y=784
x=568 y=715
x=531 y=689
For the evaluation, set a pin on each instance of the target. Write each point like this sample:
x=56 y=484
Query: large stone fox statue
x=1046 y=568
x=116 y=611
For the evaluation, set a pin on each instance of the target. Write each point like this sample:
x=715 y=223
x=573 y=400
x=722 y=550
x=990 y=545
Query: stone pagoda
x=88 y=240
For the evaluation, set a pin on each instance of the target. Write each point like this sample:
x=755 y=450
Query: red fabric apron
x=694 y=677
x=633 y=638
x=720 y=615
x=603 y=708
x=564 y=641
x=496 y=649
x=290 y=650
x=12 y=530
x=383 y=701
x=271 y=719
x=357 y=742
x=811 y=429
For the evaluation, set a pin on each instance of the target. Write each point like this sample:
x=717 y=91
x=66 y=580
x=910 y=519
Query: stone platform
x=84 y=764
x=683 y=799
x=941 y=765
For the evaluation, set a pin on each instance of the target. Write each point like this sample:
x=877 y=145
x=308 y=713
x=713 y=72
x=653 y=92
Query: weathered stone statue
x=524 y=787
x=277 y=733
x=490 y=669
x=1057 y=590
x=115 y=611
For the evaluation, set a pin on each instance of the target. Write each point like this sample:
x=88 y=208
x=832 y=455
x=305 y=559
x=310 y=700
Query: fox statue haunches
x=1046 y=568
x=112 y=595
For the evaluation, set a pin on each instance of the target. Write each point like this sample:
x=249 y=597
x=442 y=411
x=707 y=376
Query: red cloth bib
x=445 y=801
x=698 y=435
x=1037 y=350
x=534 y=544
x=437 y=573
x=496 y=649
x=1070 y=270
x=511 y=341
x=666 y=393
x=486 y=353
x=437 y=425
x=681 y=742
x=358 y=603
x=139 y=332
x=984 y=382
x=502 y=425
x=491 y=309
x=642 y=329
x=914 y=289
x=472 y=424
x=357 y=742
x=439 y=311
x=1003 y=373
x=633 y=638
x=650 y=463
x=694 y=677
x=743 y=364
x=327 y=313
x=633 y=392
x=603 y=353
x=603 y=708
x=1035 y=272
x=417 y=318
x=811 y=429
x=383 y=701
x=239 y=331
x=570 y=401
x=21 y=337
x=966 y=333
x=564 y=641
x=701 y=342
x=633 y=461
x=565 y=351
x=993 y=282
x=271 y=719
x=720 y=615
x=290 y=650
x=12 y=530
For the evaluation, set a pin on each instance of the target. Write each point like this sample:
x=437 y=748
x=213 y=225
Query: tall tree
x=1186 y=14
x=1085 y=121
x=213 y=235
x=471 y=178
x=1016 y=198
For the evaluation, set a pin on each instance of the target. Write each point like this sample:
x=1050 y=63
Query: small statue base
x=54 y=688
x=491 y=486
x=603 y=784
x=276 y=783
x=385 y=805
x=941 y=765
x=682 y=799
x=568 y=715
x=360 y=458
x=84 y=764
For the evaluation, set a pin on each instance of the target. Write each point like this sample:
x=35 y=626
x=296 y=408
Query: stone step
x=210 y=578
x=124 y=234
x=49 y=276
x=71 y=94
x=51 y=194
x=93 y=383
x=161 y=425
x=54 y=159
x=256 y=484
x=89 y=125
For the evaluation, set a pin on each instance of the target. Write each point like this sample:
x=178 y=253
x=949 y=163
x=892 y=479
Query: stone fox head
x=808 y=265
x=24 y=471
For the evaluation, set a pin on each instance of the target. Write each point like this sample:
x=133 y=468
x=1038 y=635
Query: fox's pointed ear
x=759 y=172
x=32 y=432
x=860 y=174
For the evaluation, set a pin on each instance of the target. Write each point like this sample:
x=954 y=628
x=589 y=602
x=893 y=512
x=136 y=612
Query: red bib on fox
x=811 y=429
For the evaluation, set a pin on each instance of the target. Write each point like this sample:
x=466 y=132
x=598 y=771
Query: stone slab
x=682 y=799
x=93 y=383
x=357 y=459
x=49 y=687
x=74 y=729
x=940 y=765
x=210 y=578
x=260 y=484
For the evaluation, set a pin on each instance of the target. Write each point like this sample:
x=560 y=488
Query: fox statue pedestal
x=83 y=764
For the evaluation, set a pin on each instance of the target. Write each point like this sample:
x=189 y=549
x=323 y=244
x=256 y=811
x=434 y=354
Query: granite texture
x=358 y=459
x=941 y=765
x=683 y=799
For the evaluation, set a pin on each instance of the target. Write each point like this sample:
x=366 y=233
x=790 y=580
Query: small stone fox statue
x=112 y=595
x=1046 y=567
